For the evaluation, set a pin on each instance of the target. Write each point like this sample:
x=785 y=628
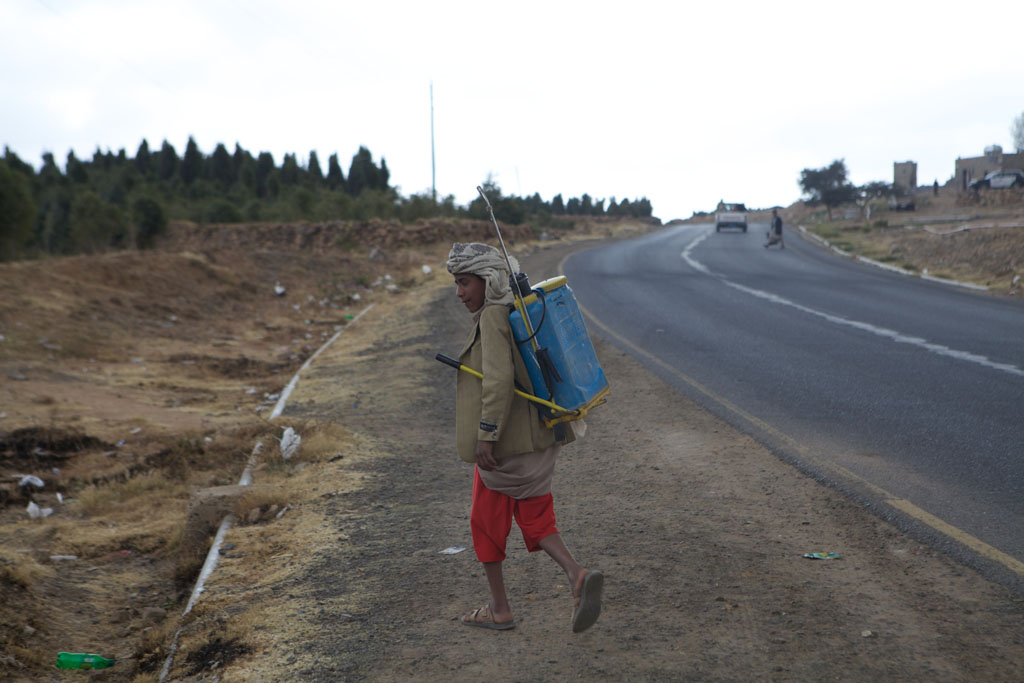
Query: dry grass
x=983 y=255
x=21 y=569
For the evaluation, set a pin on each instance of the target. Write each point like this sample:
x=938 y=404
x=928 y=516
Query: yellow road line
x=959 y=535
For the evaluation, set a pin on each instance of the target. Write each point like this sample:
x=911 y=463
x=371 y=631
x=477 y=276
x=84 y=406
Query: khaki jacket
x=488 y=409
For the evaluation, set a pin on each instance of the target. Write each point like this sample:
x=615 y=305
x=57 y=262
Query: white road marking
x=893 y=335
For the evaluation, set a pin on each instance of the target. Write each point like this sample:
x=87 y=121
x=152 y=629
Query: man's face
x=470 y=289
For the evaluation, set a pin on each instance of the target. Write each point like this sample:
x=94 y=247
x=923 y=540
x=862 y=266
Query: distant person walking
x=775 y=231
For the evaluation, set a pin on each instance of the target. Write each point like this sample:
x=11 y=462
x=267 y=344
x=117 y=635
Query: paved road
x=905 y=392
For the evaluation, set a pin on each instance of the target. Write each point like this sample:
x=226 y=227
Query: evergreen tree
x=220 y=167
x=264 y=168
x=49 y=174
x=150 y=221
x=385 y=175
x=316 y=175
x=167 y=162
x=289 y=171
x=363 y=174
x=102 y=161
x=191 y=163
x=143 y=162
x=75 y=169
x=17 y=211
x=15 y=163
x=586 y=205
x=558 y=205
x=335 y=179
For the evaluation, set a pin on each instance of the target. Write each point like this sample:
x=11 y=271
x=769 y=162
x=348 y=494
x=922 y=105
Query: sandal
x=588 y=601
x=482 y=618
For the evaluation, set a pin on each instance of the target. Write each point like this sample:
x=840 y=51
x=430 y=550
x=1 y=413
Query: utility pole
x=433 y=167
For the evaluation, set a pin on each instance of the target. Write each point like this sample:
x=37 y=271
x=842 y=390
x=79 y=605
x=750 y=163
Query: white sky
x=684 y=104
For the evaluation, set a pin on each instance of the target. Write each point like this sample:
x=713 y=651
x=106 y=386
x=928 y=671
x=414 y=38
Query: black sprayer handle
x=447 y=360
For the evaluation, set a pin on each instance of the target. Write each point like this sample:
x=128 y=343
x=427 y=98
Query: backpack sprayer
x=559 y=357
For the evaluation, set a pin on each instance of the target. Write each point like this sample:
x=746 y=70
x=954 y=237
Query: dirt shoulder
x=700 y=531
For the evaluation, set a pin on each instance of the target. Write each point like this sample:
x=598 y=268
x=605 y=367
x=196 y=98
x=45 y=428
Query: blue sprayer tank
x=560 y=358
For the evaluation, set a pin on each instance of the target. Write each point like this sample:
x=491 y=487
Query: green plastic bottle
x=82 y=660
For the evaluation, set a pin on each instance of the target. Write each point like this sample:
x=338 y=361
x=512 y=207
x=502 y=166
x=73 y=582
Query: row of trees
x=829 y=186
x=118 y=201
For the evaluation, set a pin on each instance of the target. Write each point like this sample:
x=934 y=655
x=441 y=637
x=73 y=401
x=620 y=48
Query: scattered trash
x=138 y=360
x=82 y=660
x=452 y=550
x=821 y=556
x=290 y=442
x=427 y=269
x=349 y=317
x=278 y=289
x=355 y=297
x=33 y=480
x=285 y=509
x=867 y=633
x=35 y=512
x=121 y=443
x=136 y=430
x=63 y=557
x=60 y=497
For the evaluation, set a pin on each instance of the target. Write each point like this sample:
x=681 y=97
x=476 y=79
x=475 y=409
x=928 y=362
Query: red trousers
x=491 y=520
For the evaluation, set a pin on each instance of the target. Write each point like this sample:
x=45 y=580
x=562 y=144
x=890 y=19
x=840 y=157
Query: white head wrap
x=488 y=263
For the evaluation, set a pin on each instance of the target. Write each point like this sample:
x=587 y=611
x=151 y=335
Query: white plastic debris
x=278 y=289
x=136 y=430
x=35 y=512
x=452 y=550
x=290 y=442
x=60 y=497
x=31 y=479
x=427 y=269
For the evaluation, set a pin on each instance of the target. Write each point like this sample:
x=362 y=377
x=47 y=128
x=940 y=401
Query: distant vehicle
x=998 y=180
x=731 y=216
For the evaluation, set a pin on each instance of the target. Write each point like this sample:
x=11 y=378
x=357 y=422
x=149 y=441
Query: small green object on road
x=821 y=556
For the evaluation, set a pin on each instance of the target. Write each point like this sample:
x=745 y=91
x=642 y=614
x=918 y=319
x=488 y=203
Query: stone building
x=976 y=167
x=904 y=175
